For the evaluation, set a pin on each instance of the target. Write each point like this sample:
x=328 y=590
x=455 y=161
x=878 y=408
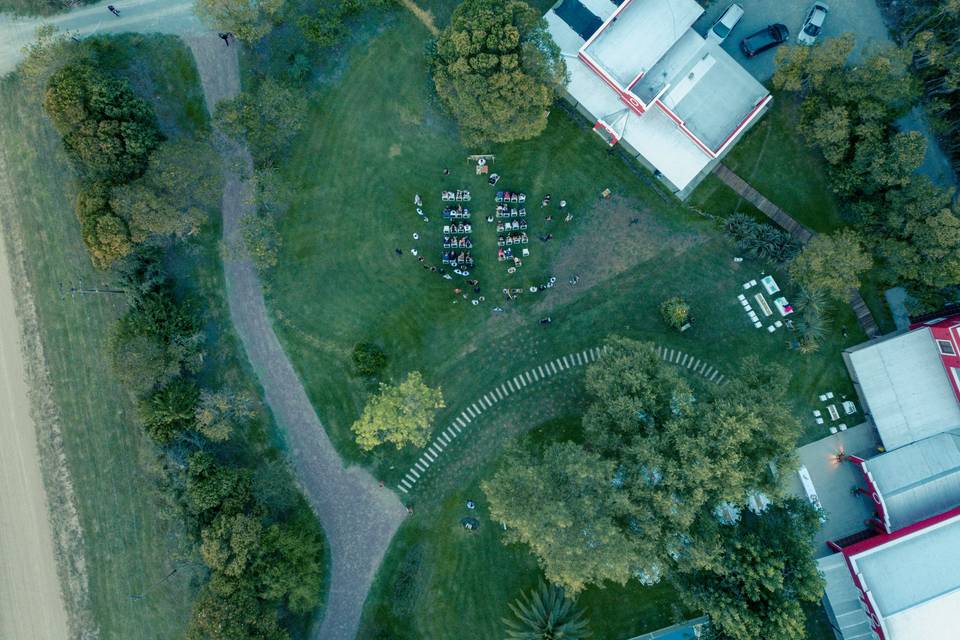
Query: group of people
x=460 y=195
x=507 y=197
x=456 y=235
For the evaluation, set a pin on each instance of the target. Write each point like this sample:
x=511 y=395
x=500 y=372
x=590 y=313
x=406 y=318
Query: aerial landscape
x=479 y=319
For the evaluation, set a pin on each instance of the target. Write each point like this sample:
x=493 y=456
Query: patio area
x=832 y=482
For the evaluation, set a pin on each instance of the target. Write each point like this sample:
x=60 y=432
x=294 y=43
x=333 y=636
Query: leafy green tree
x=563 y=505
x=248 y=20
x=401 y=414
x=157 y=340
x=230 y=544
x=289 y=568
x=239 y=615
x=262 y=240
x=219 y=412
x=497 y=70
x=832 y=263
x=766 y=574
x=104 y=233
x=546 y=614
x=107 y=129
x=368 y=359
x=170 y=410
x=214 y=488
x=801 y=68
x=675 y=311
x=268 y=118
x=175 y=195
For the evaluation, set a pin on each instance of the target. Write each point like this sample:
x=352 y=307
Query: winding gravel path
x=358 y=516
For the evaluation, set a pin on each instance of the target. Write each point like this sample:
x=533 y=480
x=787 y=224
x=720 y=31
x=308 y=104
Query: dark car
x=764 y=39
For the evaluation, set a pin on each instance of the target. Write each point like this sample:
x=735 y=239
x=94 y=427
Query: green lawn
x=466 y=580
x=129 y=546
x=375 y=138
x=778 y=163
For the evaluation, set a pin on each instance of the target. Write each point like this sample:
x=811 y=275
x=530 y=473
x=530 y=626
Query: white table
x=770 y=285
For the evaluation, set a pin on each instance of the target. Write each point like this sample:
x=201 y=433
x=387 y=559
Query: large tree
x=268 y=118
x=832 y=263
x=249 y=20
x=497 y=70
x=637 y=498
x=107 y=129
x=399 y=414
x=765 y=575
x=563 y=505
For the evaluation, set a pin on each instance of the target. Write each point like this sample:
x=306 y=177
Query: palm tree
x=546 y=614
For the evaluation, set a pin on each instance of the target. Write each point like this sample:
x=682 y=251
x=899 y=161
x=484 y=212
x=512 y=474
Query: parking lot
x=858 y=16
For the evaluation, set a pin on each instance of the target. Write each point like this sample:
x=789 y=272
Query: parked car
x=766 y=38
x=725 y=23
x=813 y=25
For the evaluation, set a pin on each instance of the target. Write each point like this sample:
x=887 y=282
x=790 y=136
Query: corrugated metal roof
x=919 y=480
x=914 y=582
x=905 y=388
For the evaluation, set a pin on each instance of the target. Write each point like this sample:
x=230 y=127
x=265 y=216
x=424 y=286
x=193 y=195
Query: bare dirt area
x=31 y=606
x=621 y=236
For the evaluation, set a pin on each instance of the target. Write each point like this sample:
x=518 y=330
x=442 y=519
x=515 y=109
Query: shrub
x=761 y=241
x=368 y=359
x=675 y=311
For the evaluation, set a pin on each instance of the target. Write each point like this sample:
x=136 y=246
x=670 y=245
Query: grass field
x=130 y=549
x=778 y=163
x=375 y=138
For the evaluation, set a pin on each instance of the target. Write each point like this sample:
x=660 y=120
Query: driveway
x=862 y=17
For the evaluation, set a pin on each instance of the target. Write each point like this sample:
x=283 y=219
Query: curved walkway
x=528 y=378
x=358 y=516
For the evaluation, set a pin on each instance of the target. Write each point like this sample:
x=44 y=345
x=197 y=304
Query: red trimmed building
x=904 y=582
x=650 y=83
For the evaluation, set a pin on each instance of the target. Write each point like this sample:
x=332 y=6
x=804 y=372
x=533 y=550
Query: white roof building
x=904 y=387
x=916 y=481
x=672 y=99
x=900 y=586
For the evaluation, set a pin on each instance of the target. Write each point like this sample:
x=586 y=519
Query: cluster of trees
x=929 y=30
x=760 y=240
x=260 y=544
x=497 y=70
x=638 y=498
x=263 y=551
x=848 y=113
x=134 y=187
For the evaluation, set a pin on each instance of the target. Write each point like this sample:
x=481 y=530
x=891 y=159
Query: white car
x=813 y=25
x=725 y=24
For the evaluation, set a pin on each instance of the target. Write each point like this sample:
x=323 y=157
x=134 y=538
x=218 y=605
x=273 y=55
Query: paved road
x=358 y=516
x=143 y=16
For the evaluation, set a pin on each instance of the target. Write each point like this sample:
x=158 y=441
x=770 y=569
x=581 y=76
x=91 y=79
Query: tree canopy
x=399 y=414
x=247 y=20
x=764 y=577
x=832 y=263
x=497 y=70
x=268 y=118
x=637 y=498
x=107 y=129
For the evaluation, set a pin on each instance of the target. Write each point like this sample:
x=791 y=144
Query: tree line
x=259 y=543
x=905 y=224
x=658 y=490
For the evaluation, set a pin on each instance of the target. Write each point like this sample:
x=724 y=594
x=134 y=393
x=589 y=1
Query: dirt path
x=31 y=606
x=359 y=517
x=424 y=16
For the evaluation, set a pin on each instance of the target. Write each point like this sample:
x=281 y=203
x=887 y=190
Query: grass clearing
x=355 y=170
x=778 y=163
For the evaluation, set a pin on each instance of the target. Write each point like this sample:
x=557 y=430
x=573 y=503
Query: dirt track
x=28 y=572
